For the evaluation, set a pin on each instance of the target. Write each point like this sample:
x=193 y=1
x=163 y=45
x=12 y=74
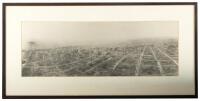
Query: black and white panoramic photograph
x=93 y=49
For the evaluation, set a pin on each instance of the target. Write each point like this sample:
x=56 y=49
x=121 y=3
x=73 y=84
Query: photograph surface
x=126 y=48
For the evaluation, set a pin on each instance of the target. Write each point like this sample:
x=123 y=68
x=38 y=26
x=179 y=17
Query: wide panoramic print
x=136 y=48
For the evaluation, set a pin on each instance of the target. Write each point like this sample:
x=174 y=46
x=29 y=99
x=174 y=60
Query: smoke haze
x=52 y=33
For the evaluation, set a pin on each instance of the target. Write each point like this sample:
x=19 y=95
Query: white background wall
x=91 y=1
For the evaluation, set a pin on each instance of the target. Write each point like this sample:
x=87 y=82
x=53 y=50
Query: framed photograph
x=100 y=50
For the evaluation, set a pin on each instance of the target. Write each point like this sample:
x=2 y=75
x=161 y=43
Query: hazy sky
x=69 y=33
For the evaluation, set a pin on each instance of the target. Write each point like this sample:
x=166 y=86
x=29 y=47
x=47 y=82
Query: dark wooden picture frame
x=99 y=4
